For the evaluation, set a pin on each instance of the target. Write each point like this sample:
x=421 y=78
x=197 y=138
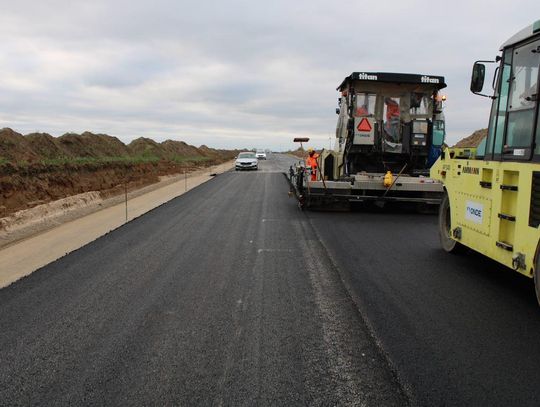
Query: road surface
x=460 y=330
x=230 y=295
x=219 y=297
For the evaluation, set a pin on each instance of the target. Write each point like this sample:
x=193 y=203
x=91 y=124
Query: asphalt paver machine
x=390 y=130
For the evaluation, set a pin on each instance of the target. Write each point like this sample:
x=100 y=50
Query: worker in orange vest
x=311 y=161
x=362 y=111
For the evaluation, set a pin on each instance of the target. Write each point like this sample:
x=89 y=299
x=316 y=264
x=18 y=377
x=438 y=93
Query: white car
x=261 y=155
x=246 y=161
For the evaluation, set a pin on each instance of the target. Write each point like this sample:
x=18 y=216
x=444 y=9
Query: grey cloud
x=232 y=73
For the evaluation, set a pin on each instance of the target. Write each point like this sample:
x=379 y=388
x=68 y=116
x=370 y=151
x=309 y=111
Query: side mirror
x=477 y=78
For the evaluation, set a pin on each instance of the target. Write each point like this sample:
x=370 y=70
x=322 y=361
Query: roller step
x=510 y=218
x=485 y=184
x=505 y=246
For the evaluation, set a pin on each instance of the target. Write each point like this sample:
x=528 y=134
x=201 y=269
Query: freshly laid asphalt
x=230 y=295
x=460 y=330
x=223 y=296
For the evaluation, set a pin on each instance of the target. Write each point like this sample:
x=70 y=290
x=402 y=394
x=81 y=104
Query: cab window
x=364 y=104
x=420 y=104
x=522 y=102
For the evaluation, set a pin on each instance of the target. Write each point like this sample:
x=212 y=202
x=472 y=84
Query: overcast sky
x=232 y=74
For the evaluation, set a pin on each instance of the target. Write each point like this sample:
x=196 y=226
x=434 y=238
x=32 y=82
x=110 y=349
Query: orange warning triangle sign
x=364 y=125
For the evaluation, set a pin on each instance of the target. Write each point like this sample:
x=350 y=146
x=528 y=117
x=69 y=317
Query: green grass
x=99 y=160
x=140 y=159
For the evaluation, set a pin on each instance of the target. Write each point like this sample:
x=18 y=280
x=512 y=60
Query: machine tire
x=536 y=277
x=447 y=243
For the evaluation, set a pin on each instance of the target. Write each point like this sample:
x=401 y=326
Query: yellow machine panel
x=473 y=212
x=491 y=208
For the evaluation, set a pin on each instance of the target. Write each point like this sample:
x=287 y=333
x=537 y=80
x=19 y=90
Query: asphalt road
x=460 y=330
x=223 y=296
x=230 y=295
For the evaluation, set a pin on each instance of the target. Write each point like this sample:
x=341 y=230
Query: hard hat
x=310 y=150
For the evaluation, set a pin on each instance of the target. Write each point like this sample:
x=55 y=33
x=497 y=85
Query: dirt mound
x=208 y=152
x=14 y=147
x=46 y=146
x=42 y=147
x=145 y=147
x=39 y=168
x=105 y=145
x=92 y=145
x=172 y=150
x=180 y=149
x=473 y=140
